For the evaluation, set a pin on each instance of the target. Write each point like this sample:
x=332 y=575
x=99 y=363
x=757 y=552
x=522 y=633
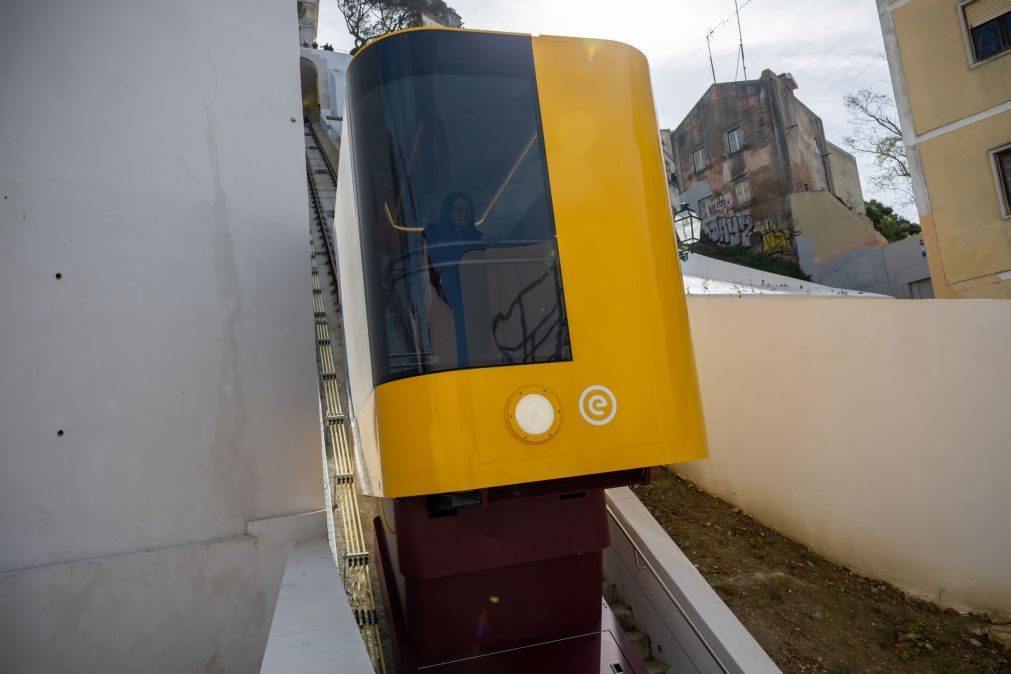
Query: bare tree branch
x=876 y=132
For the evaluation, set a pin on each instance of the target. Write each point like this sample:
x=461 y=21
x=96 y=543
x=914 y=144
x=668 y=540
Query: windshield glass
x=458 y=238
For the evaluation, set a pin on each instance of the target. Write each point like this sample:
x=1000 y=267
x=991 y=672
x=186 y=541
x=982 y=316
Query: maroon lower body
x=517 y=572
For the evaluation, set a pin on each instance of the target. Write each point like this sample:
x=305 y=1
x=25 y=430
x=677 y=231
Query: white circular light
x=534 y=414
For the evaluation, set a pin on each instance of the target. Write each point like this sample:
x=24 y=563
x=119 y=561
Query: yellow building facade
x=950 y=63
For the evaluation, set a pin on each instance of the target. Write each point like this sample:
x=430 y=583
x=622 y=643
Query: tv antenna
x=710 y=48
x=740 y=37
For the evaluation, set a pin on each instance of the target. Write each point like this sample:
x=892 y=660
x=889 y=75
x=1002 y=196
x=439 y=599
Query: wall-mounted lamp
x=688 y=227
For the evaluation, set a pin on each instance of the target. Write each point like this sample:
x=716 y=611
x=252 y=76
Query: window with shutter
x=989 y=24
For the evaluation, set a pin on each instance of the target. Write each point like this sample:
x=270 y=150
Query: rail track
x=344 y=502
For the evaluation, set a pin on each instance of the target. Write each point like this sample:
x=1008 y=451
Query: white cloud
x=831 y=46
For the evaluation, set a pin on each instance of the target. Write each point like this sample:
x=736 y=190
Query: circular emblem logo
x=597 y=405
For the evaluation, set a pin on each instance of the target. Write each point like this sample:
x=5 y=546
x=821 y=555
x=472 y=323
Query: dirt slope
x=808 y=614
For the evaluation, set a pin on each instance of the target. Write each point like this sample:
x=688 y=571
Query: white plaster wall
x=159 y=168
x=332 y=69
x=204 y=607
x=875 y=432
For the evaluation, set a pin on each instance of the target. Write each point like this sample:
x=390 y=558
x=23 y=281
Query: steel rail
x=327 y=239
x=348 y=545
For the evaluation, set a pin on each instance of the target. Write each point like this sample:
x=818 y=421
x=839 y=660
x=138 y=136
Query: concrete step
x=640 y=642
x=623 y=614
x=639 y=639
x=655 y=667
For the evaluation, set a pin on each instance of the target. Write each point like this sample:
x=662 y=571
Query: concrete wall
x=805 y=137
x=874 y=431
x=906 y=265
x=157 y=379
x=836 y=246
x=670 y=169
x=842 y=167
x=313 y=630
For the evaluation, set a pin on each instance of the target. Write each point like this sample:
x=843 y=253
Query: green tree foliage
x=876 y=132
x=890 y=224
x=369 y=19
x=745 y=257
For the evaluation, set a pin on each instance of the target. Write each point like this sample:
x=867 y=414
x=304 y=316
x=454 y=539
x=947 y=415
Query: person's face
x=461 y=214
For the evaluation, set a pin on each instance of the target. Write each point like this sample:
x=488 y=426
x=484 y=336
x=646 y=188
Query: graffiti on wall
x=730 y=230
x=722 y=204
x=725 y=227
x=716 y=204
x=776 y=239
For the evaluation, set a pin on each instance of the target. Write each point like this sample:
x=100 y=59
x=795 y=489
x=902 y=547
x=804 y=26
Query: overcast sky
x=831 y=46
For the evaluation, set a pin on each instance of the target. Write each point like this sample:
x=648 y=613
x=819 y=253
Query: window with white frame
x=989 y=26
x=735 y=140
x=700 y=160
x=1002 y=168
x=742 y=192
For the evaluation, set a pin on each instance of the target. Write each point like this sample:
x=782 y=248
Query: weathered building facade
x=670 y=169
x=755 y=163
x=950 y=63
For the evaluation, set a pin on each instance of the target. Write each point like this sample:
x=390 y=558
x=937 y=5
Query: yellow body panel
x=624 y=299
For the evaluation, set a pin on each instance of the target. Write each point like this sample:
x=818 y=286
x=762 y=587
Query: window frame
x=695 y=167
x=970 y=48
x=1003 y=191
x=730 y=148
x=737 y=202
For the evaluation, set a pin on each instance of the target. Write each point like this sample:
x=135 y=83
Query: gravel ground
x=809 y=614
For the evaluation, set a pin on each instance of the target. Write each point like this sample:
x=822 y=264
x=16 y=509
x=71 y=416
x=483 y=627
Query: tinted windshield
x=458 y=239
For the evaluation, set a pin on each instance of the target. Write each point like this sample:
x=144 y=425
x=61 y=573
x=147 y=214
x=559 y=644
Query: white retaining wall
x=161 y=393
x=877 y=432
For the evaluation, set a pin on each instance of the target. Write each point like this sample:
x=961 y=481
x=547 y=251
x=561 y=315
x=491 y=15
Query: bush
x=745 y=257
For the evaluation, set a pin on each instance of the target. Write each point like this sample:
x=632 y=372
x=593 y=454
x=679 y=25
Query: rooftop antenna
x=737 y=12
x=710 y=48
x=738 y=6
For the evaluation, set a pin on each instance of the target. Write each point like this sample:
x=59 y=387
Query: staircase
x=639 y=639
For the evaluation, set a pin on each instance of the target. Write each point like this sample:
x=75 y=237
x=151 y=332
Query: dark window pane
x=986 y=40
x=1004 y=167
x=458 y=235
